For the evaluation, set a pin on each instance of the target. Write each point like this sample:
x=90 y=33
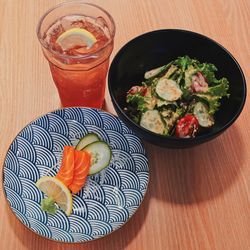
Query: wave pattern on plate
x=27 y=133
x=79 y=237
x=42 y=122
x=16 y=201
x=117 y=140
x=100 y=228
x=96 y=210
x=123 y=160
x=117 y=214
x=133 y=197
x=114 y=196
x=134 y=144
x=44 y=156
x=129 y=179
x=141 y=163
x=30 y=191
x=33 y=210
x=28 y=169
x=60 y=234
x=76 y=130
x=57 y=124
x=111 y=122
x=108 y=199
x=112 y=177
x=25 y=149
x=59 y=220
x=59 y=141
x=92 y=117
x=92 y=190
x=42 y=137
x=143 y=177
x=74 y=114
x=12 y=181
x=76 y=227
x=39 y=227
x=11 y=162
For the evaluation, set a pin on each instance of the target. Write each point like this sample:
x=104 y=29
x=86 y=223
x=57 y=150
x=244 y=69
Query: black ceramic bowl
x=159 y=47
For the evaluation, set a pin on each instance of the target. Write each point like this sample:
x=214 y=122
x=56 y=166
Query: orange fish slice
x=66 y=171
x=81 y=170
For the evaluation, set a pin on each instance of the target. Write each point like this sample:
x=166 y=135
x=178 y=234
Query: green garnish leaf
x=48 y=205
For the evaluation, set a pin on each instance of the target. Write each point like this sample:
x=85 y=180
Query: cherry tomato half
x=187 y=126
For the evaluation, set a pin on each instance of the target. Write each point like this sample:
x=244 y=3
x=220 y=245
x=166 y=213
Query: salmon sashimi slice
x=66 y=172
x=81 y=170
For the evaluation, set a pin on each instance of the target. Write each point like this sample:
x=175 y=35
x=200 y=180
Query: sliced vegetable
x=187 y=126
x=168 y=89
x=81 y=170
x=213 y=102
x=154 y=72
x=152 y=121
x=170 y=71
x=100 y=153
x=87 y=139
x=201 y=113
x=66 y=171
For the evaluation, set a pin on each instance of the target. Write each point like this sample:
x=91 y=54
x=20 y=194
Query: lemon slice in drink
x=76 y=37
x=54 y=188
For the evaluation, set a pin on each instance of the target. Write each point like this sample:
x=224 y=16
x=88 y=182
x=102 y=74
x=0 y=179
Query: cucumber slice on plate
x=86 y=140
x=100 y=156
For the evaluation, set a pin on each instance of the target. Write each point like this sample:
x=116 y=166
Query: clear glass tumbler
x=77 y=39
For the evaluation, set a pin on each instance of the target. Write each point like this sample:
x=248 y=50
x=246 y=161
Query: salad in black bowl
x=177 y=99
x=165 y=87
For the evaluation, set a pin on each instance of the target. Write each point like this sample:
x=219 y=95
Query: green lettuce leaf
x=220 y=89
x=138 y=101
x=208 y=70
x=184 y=61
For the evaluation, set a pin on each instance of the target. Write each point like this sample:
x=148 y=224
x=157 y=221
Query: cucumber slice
x=86 y=140
x=151 y=120
x=154 y=72
x=100 y=156
x=168 y=89
x=202 y=115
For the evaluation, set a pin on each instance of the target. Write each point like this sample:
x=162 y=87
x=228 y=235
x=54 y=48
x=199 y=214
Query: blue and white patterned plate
x=108 y=199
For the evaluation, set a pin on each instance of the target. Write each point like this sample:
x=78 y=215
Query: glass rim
x=92 y=54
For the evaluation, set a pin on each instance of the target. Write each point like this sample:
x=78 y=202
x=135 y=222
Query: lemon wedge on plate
x=55 y=189
x=76 y=37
